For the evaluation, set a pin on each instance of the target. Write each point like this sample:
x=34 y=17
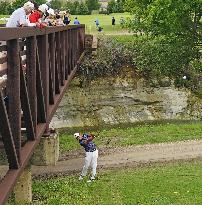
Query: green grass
x=178 y=183
x=146 y=133
x=1 y=17
x=105 y=23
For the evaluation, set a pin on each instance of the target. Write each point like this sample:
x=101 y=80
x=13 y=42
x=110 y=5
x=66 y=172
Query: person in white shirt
x=19 y=17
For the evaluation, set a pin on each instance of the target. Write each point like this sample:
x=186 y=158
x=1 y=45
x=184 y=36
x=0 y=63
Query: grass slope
x=147 y=133
x=174 y=183
x=177 y=183
x=105 y=22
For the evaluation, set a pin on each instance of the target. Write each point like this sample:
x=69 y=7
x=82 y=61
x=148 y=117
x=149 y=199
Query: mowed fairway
x=105 y=22
x=178 y=183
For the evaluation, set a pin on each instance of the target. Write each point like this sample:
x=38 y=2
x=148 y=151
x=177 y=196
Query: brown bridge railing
x=37 y=66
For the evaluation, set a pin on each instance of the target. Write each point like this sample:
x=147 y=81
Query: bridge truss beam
x=39 y=65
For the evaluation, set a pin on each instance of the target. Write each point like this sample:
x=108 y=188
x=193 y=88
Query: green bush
x=93 y=5
x=5 y=8
x=111 y=55
x=76 y=8
x=82 y=9
x=158 y=57
x=95 y=12
x=115 y=6
x=164 y=55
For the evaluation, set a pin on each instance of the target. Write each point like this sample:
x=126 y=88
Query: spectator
x=113 y=21
x=66 y=19
x=57 y=15
x=97 y=23
x=59 y=21
x=58 y=18
x=19 y=17
x=122 y=21
x=36 y=16
x=100 y=28
x=50 y=19
x=76 y=21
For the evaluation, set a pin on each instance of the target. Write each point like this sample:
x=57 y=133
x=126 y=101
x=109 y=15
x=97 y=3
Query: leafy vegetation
x=125 y=135
x=108 y=60
x=163 y=184
x=151 y=57
x=8 y=7
x=76 y=7
x=170 y=34
x=115 y=6
x=92 y=5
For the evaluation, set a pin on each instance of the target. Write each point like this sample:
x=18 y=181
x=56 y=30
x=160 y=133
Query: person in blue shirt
x=76 y=21
x=86 y=141
x=97 y=23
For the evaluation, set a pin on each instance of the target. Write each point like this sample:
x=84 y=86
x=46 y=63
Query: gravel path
x=125 y=157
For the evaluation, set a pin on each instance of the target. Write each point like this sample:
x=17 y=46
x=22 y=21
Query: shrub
x=110 y=56
x=153 y=58
x=4 y=8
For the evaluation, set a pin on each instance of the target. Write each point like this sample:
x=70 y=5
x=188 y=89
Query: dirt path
x=124 y=157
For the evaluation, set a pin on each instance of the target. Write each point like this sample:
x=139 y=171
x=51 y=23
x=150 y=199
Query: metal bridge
x=36 y=67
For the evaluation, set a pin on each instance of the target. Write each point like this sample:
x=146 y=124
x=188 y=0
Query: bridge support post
x=47 y=152
x=23 y=189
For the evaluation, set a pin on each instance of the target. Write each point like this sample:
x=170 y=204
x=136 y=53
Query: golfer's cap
x=76 y=134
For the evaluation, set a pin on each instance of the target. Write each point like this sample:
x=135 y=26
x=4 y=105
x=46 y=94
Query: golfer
x=86 y=140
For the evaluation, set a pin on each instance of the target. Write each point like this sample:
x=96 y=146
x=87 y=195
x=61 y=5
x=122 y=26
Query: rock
x=125 y=99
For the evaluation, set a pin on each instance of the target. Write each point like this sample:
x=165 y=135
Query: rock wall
x=126 y=98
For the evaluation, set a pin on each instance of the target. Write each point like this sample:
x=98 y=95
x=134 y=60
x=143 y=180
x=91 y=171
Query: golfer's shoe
x=91 y=179
x=80 y=178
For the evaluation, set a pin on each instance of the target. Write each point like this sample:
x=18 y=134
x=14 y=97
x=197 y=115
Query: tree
x=82 y=9
x=165 y=16
x=19 y=3
x=56 y=4
x=169 y=24
x=4 y=8
x=93 y=5
x=115 y=6
x=111 y=6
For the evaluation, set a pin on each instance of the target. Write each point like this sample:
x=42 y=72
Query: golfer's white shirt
x=17 y=18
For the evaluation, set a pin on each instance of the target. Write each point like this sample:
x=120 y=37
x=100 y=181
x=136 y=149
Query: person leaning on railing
x=66 y=18
x=50 y=19
x=37 y=16
x=19 y=17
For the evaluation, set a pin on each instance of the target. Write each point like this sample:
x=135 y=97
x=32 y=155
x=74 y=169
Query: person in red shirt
x=37 y=15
